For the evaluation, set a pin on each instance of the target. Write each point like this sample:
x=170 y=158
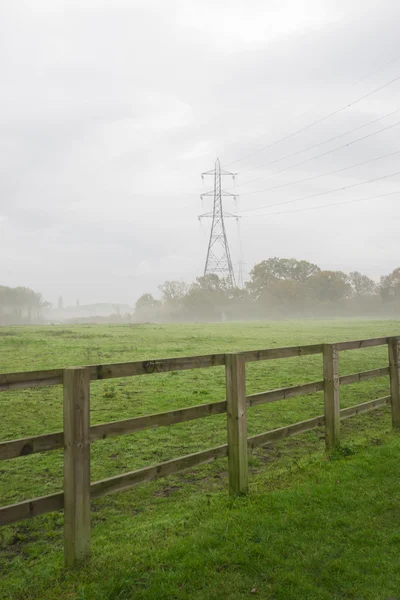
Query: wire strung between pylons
x=320 y=206
x=316 y=122
x=303 y=162
x=339 y=189
x=331 y=139
x=281 y=185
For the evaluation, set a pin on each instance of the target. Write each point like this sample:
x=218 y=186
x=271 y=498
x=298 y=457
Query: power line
x=335 y=112
x=318 y=156
x=335 y=137
x=340 y=189
x=390 y=62
x=319 y=206
x=364 y=162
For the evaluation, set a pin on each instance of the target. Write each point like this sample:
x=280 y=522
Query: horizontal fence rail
x=363 y=376
x=52 y=502
x=55 y=441
x=276 y=353
x=10 y=381
x=359 y=344
x=78 y=434
x=49 y=377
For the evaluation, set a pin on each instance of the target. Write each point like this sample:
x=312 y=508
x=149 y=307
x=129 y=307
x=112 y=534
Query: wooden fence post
x=394 y=374
x=235 y=369
x=331 y=396
x=76 y=465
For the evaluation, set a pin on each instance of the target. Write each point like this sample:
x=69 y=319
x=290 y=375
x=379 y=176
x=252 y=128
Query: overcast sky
x=110 y=110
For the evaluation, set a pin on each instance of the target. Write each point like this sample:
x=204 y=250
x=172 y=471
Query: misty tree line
x=277 y=287
x=20 y=305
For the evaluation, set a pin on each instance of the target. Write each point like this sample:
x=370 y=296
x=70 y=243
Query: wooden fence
x=78 y=434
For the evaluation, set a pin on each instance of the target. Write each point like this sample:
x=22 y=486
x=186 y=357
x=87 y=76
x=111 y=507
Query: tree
x=146 y=301
x=361 y=284
x=286 y=293
x=208 y=297
x=329 y=286
x=390 y=285
x=173 y=292
x=147 y=308
x=60 y=303
x=20 y=305
x=273 y=270
x=212 y=283
x=239 y=295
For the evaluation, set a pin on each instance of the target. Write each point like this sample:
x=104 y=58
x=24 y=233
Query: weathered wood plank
x=44 y=504
x=279 y=434
x=363 y=376
x=235 y=370
x=303 y=426
x=76 y=465
x=170 y=467
x=164 y=365
x=49 y=377
x=30 y=379
x=31 y=508
x=275 y=353
x=31 y=445
x=331 y=396
x=285 y=393
x=54 y=441
x=394 y=369
x=345 y=413
x=358 y=344
x=105 y=430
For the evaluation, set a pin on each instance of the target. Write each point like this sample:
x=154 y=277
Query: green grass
x=298 y=534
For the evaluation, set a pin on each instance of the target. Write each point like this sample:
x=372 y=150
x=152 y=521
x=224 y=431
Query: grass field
x=299 y=534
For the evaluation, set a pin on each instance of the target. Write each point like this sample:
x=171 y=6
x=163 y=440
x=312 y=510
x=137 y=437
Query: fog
x=278 y=288
x=110 y=111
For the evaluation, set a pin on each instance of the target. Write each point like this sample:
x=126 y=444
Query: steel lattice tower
x=218 y=259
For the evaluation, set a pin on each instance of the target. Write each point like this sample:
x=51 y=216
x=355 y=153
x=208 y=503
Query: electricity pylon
x=218 y=259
